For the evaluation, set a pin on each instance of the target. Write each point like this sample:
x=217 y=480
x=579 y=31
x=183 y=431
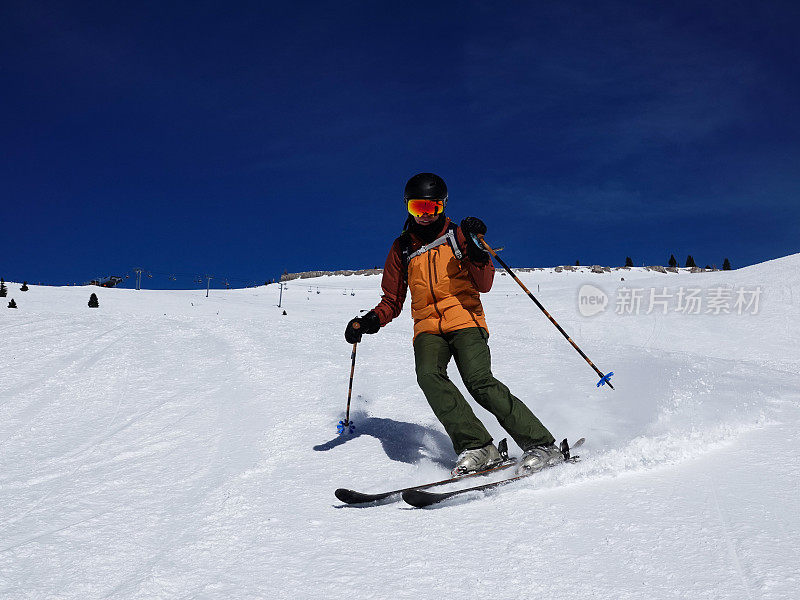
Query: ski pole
x=347 y=424
x=604 y=379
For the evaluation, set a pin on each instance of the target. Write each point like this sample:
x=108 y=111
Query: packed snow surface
x=169 y=445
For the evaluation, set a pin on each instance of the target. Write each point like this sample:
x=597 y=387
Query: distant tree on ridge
x=672 y=261
x=726 y=266
x=690 y=262
x=628 y=261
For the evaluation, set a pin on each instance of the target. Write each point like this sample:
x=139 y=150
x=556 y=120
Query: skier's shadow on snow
x=402 y=442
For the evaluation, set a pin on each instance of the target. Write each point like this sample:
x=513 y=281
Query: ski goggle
x=417 y=208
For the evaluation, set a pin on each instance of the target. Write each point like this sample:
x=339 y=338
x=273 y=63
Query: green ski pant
x=469 y=347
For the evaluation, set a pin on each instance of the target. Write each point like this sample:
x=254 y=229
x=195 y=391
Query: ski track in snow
x=172 y=446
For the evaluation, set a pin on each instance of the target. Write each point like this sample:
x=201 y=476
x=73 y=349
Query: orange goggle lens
x=417 y=208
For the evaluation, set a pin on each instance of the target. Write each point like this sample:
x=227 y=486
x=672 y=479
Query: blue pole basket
x=605 y=379
x=349 y=427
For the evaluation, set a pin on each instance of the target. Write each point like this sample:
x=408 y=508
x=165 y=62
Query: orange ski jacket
x=445 y=285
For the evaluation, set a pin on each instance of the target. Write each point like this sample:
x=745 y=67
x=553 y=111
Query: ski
x=420 y=498
x=354 y=497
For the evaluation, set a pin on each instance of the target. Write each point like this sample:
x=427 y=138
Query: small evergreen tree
x=628 y=261
x=24 y=287
x=726 y=266
x=672 y=261
x=577 y=263
x=690 y=261
x=12 y=304
x=3 y=289
x=93 y=302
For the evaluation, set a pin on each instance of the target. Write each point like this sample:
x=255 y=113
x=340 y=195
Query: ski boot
x=477 y=459
x=537 y=458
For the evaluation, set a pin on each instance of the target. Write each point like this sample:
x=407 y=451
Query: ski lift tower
x=208 y=283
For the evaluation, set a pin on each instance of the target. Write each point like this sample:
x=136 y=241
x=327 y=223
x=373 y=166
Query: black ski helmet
x=427 y=186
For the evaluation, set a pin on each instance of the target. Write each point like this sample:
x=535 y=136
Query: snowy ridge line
x=345 y=273
x=555 y=269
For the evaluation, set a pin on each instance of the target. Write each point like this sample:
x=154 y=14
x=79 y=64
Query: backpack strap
x=448 y=238
x=451 y=236
x=405 y=250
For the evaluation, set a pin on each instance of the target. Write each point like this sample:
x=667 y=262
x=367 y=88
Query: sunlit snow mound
x=167 y=444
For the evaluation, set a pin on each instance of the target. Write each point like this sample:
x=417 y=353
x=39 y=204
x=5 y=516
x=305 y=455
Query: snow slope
x=168 y=445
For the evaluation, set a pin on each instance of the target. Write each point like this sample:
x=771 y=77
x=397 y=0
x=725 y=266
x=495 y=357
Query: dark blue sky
x=242 y=139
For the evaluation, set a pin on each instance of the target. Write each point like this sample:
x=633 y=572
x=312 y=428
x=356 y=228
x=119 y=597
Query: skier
x=446 y=272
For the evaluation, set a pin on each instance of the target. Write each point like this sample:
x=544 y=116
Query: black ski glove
x=369 y=323
x=475 y=252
